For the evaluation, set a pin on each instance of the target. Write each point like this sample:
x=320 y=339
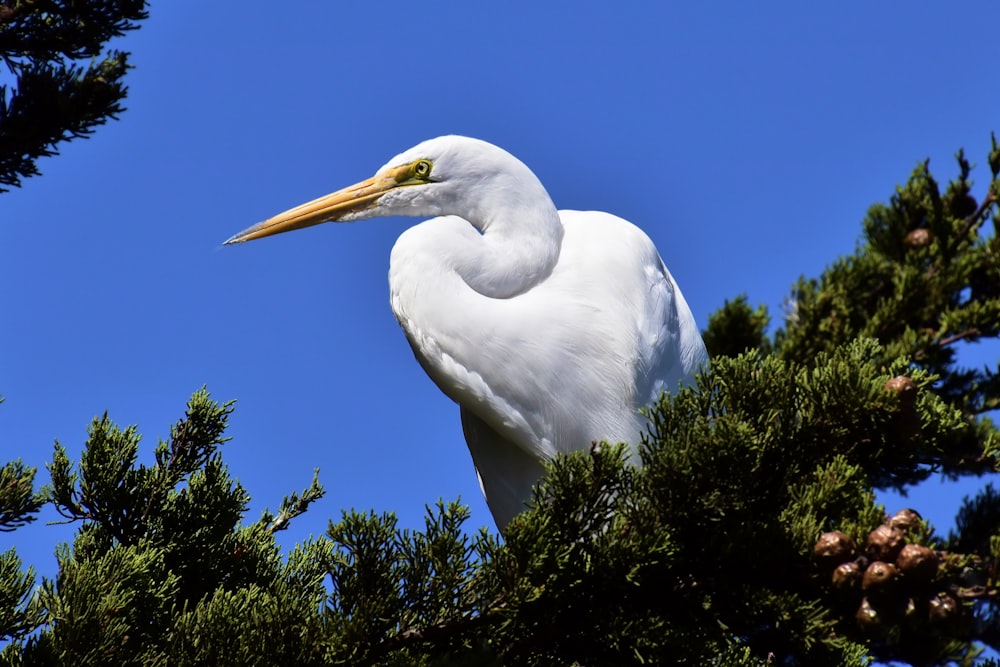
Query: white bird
x=550 y=329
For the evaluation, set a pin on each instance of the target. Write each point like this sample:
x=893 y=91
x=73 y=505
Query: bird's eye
x=422 y=168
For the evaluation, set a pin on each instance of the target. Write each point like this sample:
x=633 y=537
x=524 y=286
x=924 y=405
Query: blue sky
x=747 y=139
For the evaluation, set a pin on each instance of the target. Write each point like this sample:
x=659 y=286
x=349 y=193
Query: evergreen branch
x=18 y=501
x=53 y=104
x=444 y=633
x=62 y=491
x=167 y=478
x=294 y=505
x=19 y=615
x=63 y=29
x=962 y=335
x=194 y=439
x=54 y=99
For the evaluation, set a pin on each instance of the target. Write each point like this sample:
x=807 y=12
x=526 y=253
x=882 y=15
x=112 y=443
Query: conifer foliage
x=55 y=98
x=750 y=535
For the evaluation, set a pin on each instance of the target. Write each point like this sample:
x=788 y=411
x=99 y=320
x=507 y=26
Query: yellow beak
x=331 y=208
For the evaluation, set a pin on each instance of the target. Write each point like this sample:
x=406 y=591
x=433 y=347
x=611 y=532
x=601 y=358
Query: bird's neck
x=518 y=247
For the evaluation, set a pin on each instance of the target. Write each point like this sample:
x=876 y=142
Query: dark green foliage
x=19 y=613
x=55 y=99
x=703 y=555
x=680 y=560
x=161 y=546
x=18 y=504
x=925 y=278
x=976 y=523
x=735 y=328
x=18 y=500
x=271 y=616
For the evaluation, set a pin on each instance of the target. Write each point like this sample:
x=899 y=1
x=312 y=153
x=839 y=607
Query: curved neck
x=520 y=237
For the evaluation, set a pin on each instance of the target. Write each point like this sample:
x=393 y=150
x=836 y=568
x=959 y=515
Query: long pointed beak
x=331 y=208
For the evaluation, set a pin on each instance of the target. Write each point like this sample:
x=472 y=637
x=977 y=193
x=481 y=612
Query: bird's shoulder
x=607 y=253
x=605 y=232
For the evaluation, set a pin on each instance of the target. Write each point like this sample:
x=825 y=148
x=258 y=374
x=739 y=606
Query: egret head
x=442 y=176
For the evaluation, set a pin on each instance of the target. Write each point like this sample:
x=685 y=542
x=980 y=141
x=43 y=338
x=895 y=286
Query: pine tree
x=750 y=535
x=56 y=99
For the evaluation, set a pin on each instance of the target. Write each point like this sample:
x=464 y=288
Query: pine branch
x=54 y=99
x=18 y=501
x=293 y=506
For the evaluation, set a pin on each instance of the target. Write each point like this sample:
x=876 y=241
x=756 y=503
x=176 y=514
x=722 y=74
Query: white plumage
x=551 y=329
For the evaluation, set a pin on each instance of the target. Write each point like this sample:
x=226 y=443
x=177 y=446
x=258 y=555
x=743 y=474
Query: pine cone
x=943 y=608
x=868 y=618
x=907 y=419
x=905 y=388
x=918 y=238
x=834 y=548
x=905 y=519
x=884 y=543
x=847 y=576
x=880 y=580
x=918 y=563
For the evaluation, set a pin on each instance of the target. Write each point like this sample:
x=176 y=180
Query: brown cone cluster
x=892 y=580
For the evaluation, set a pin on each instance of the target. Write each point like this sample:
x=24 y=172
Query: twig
x=948 y=340
x=959 y=336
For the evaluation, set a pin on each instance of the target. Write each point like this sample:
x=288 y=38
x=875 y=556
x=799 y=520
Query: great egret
x=550 y=329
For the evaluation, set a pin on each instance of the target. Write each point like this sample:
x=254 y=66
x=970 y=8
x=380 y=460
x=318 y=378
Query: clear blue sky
x=747 y=139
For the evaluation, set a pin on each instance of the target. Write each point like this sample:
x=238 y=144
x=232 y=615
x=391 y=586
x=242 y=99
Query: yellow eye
x=422 y=168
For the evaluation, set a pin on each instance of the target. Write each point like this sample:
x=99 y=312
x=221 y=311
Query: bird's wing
x=669 y=348
x=649 y=326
